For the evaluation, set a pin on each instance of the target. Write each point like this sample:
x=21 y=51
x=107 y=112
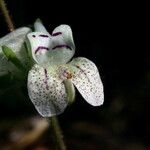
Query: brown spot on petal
x=69 y=75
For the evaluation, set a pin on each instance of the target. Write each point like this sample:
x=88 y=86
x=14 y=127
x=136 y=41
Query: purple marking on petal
x=46 y=78
x=43 y=35
x=56 y=34
x=83 y=72
x=33 y=36
x=41 y=47
x=62 y=46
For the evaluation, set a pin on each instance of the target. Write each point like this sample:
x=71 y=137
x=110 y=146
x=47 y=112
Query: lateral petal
x=46 y=91
x=87 y=80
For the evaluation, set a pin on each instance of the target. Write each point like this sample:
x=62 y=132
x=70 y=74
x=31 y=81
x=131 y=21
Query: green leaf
x=11 y=56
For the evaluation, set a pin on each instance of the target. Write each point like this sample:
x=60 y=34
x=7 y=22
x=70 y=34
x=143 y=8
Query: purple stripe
x=46 y=78
x=62 y=46
x=41 y=47
x=43 y=35
x=83 y=71
x=56 y=34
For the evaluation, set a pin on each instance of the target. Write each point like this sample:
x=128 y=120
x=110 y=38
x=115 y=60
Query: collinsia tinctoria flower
x=53 y=75
x=14 y=40
x=52 y=79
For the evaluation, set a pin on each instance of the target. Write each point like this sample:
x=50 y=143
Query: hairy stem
x=6 y=15
x=57 y=133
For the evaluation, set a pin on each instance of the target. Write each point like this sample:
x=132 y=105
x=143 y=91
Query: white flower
x=52 y=79
x=14 y=40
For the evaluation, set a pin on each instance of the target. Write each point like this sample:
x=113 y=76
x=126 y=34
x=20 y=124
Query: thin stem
x=6 y=15
x=57 y=133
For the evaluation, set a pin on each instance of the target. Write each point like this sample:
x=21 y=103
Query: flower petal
x=52 y=50
x=64 y=33
x=39 y=27
x=87 y=80
x=46 y=91
x=40 y=45
x=14 y=40
x=63 y=44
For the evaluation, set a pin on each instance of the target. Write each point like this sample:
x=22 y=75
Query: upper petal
x=39 y=27
x=40 y=45
x=46 y=91
x=64 y=33
x=63 y=44
x=55 y=49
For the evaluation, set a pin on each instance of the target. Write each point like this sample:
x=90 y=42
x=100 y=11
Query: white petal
x=14 y=40
x=40 y=45
x=64 y=32
x=46 y=91
x=87 y=80
x=54 y=50
x=63 y=43
x=39 y=27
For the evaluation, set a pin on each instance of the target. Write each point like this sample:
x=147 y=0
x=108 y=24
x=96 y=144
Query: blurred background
x=112 y=36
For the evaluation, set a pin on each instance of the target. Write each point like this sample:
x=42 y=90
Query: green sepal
x=29 y=54
x=11 y=56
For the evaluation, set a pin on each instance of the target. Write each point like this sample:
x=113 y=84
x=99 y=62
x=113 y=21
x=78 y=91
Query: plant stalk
x=6 y=15
x=57 y=134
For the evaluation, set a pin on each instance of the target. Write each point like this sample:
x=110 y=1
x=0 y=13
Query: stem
x=57 y=133
x=6 y=15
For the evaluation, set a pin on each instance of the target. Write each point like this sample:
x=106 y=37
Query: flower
x=15 y=41
x=53 y=74
x=52 y=79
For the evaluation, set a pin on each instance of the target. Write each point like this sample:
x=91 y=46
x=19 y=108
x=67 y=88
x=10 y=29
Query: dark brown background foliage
x=112 y=36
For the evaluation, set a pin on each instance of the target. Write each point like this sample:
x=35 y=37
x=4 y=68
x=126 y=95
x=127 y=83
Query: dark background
x=113 y=36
